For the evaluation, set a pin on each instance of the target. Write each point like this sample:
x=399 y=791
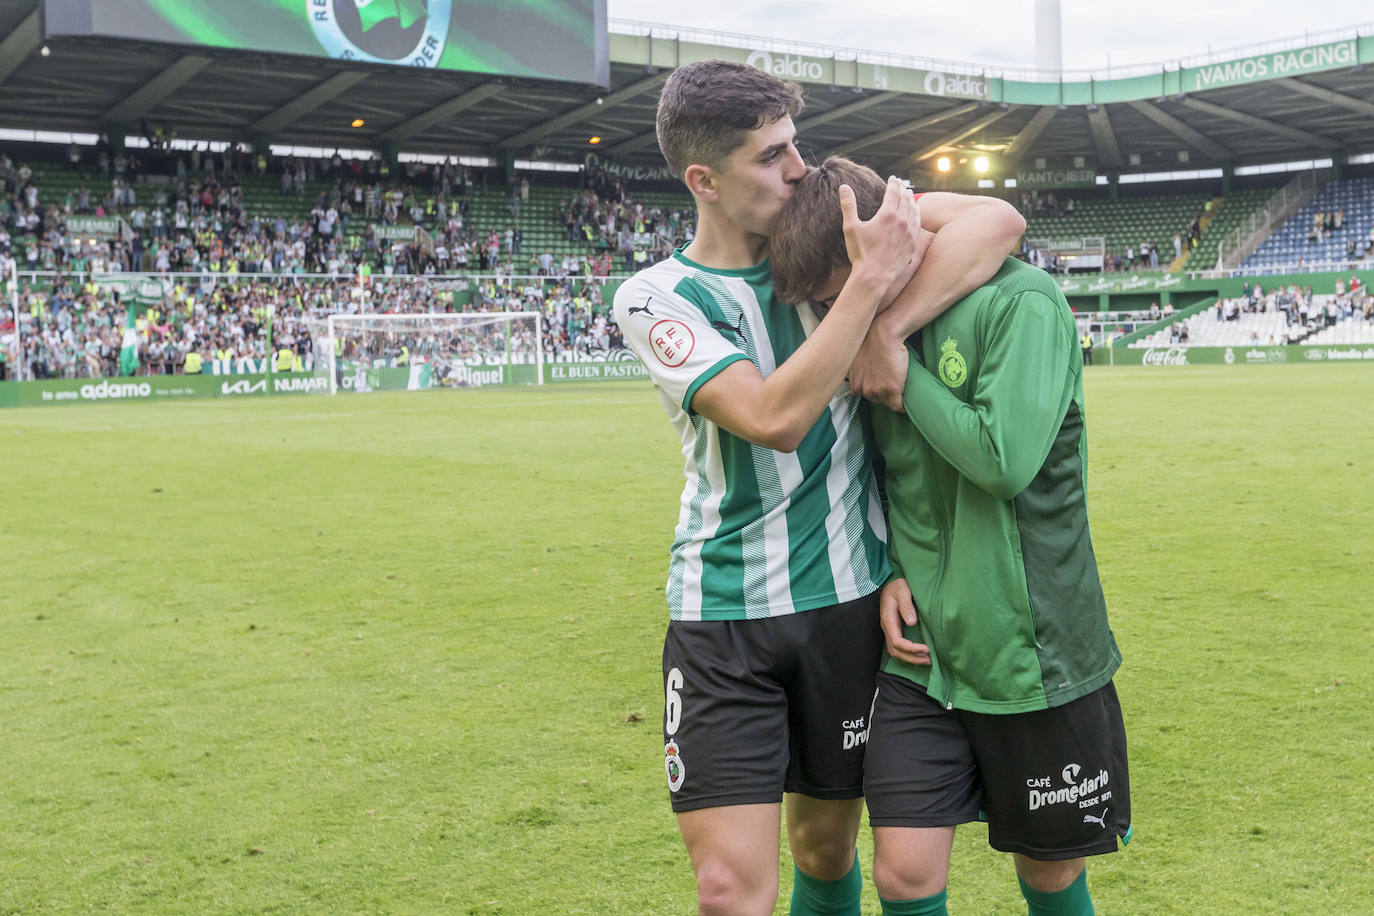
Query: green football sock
x=934 y=905
x=1073 y=900
x=814 y=897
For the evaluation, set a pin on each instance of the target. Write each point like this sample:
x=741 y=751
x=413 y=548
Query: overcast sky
x=1002 y=32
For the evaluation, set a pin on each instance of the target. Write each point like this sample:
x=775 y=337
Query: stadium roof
x=1271 y=104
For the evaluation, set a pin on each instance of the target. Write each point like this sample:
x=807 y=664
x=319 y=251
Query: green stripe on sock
x=1073 y=900
x=934 y=905
x=814 y=897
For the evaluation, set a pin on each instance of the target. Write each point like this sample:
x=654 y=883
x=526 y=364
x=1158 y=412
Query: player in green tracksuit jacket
x=986 y=483
x=995 y=699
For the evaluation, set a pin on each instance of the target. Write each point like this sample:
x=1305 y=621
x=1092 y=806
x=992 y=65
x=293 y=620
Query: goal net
x=435 y=350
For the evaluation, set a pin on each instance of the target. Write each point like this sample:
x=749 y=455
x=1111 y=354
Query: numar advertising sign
x=154 y=388
x=620 y=365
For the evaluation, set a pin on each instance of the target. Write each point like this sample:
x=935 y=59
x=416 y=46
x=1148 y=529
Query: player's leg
x=725 y=754
x=1050 y=876
x=833 y=657
x=921 y=779
x=911 y=868
x=822 y=835
x=1054 y=888
x=734 y=852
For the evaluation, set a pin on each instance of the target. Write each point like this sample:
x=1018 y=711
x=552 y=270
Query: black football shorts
x=1052 y=784
x=756 y=708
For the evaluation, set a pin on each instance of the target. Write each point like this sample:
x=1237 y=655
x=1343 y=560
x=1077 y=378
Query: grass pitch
x=399 y=652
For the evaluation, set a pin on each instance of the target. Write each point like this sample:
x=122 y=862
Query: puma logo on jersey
x=736 y=329
x=635 y=309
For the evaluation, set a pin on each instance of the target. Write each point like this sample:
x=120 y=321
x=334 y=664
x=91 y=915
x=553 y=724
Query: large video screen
x=548 y=39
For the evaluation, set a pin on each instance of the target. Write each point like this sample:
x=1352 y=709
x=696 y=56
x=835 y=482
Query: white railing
x=1280 y=270
x=1242 y=241
x=1031 y=74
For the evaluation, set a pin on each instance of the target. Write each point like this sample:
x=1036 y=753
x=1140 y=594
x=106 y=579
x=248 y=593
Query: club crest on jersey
x=953 y=369
x=672 y=342
x=672 y=762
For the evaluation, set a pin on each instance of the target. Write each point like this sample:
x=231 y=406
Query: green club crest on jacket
x=953 y=369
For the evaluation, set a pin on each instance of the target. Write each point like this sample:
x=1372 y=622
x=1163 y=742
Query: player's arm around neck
x=973 y=236
x=778 y=411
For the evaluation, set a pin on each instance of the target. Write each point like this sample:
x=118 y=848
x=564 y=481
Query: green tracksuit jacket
x=986 y=475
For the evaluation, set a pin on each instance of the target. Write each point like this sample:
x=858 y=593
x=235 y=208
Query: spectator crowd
x=74 y=328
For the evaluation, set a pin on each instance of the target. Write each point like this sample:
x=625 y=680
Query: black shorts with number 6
x=756 y=708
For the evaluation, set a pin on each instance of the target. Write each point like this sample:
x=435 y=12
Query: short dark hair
x=808 y=239
x=707 y=108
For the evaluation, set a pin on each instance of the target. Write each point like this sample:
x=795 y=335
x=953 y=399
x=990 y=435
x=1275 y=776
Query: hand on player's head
x=883 y=245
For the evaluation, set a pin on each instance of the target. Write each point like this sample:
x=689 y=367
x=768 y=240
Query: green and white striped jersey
x=760 y=533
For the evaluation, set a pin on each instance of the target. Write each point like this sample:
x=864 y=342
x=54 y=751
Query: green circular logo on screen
x=407 y=32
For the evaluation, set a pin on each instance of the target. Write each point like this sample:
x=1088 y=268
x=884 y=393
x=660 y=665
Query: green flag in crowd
x=128 y=353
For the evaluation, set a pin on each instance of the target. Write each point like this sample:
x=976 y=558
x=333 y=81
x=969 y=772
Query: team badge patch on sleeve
x=677 y=772
x=672 y=342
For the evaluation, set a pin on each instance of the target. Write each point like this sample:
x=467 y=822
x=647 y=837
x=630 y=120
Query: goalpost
x=400 y=352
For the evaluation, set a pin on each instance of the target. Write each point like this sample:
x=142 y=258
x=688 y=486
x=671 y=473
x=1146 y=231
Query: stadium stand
x=239 y=235
x=472 y=226
x=1287 y=315
x=1228 y=213
x=235 y=238
x=74 y=328
x=1124 y=223
x=1335 y=229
